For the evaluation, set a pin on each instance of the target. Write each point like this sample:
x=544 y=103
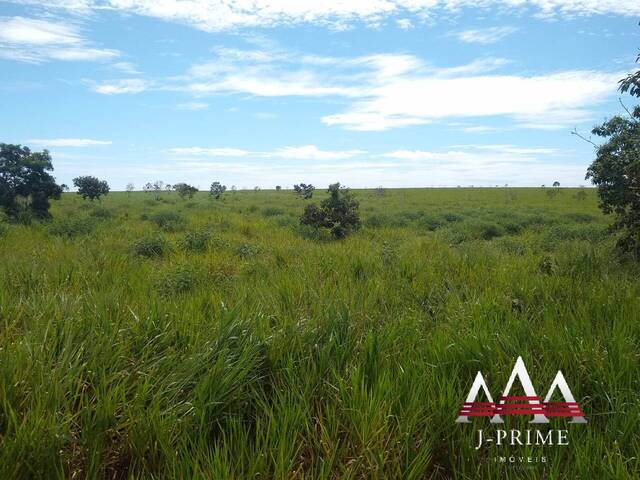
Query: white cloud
x=209 y=152
x=543 y=101
x=35 y=40
x=126 y=85
x=217 y=15
x=193 y=106
x=485 y=36
x=69 y=142
x=404 y=23
x=303 y=152
x=127 y=68
x=311 y=152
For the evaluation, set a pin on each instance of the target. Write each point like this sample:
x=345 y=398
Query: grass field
x=145 y=338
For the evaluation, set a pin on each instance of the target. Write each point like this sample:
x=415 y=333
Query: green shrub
x=272 y=211
x=431 y=223
x=245 y=250
x=101 y=212
x=180 y=279
x=72 y=226
x=151 y=246
x=196 y=241
x=168 y=220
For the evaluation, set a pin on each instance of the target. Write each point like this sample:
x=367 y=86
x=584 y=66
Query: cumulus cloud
x=37 y=40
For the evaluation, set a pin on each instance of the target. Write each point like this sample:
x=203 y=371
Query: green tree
x=338 y=213
x=91 y=187
x=185 y=190
x=25 y=183
x=217 y=189
x=304 y=190
x=616 y=169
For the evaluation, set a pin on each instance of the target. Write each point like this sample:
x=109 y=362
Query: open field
x=145 y=338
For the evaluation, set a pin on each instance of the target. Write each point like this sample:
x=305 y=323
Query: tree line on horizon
x=27 y=186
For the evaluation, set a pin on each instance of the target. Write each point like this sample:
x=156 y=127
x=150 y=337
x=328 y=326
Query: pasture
x=169 y=338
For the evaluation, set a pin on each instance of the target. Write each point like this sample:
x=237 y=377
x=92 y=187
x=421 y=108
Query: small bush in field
x=151 y=246
x=547 y=265
x=196 y=241
x=338 y=214
x=71 y=226
x=180 y=279
x=169 y=221
x=431 y=223
x=272 y=211
x=245 y=250
x=3 y=229
x=101 y=212
x=490 y=230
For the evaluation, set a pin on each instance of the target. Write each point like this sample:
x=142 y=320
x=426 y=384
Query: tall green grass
x=247 y=348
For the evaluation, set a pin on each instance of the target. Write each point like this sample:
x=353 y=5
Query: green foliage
x=310 y=360
x=101 y=212
x=184 y=190
x=71 y=226
x=91 y=187
x=338 y=213
x=178 y=280
x=25 y=184
x=631 y=83
x=196 y=241
x=303 y=190
x=150 y=246
x=217 y=189
x=168 y=220
x=616 y=173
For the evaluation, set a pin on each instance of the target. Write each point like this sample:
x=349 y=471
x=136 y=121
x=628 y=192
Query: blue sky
x=399 y=93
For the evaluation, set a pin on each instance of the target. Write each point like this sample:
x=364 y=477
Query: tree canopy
x=25 y=184
x=91 y=187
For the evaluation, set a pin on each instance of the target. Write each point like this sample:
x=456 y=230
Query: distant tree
x=168 y=187
x=25 y=183
x=234 y=189
x=380 y=191
x=278 y=188
x=64 y=187
x=157 y=188
x=338 y=213
x=130 y=188
x=217 y=189
x=556 y=184
x=256 y=189
x=303 y=190
x=91 y=187
x=185 y=190
x=147 y=187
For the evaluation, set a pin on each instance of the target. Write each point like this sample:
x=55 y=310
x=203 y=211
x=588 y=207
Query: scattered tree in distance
x=91 y=187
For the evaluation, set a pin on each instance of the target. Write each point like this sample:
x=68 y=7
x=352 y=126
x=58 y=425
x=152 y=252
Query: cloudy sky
x=274 y=92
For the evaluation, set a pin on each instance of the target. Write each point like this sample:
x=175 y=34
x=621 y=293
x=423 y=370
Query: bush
x=489 y=231
x=196 y=241
x=72 y=226
x=431 y=223
x=151 y=246
x=272 y=211
x=101 y=212
x=169 y=221
x=245 y=250
x=338 y=213
x=180 y=279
